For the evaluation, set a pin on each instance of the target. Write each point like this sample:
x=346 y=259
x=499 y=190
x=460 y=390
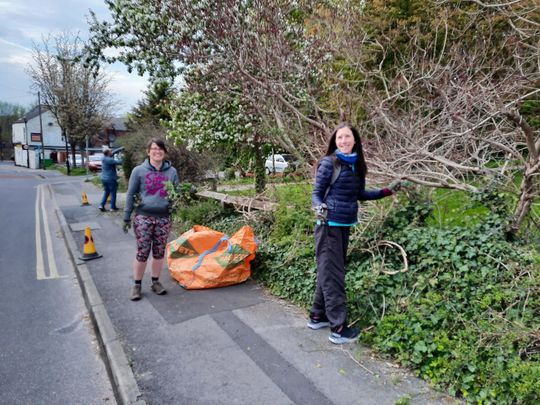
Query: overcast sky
x=24 y=22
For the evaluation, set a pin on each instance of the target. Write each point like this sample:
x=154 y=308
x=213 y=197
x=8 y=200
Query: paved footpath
x=234 y=345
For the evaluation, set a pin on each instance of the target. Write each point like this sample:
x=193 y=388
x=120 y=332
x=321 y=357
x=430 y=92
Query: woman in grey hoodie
x=152 y=221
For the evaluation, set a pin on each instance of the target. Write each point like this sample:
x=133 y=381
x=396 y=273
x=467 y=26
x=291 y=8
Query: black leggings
x=331 y=244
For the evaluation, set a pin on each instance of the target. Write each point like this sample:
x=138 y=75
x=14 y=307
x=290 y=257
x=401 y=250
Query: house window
x=35 y=137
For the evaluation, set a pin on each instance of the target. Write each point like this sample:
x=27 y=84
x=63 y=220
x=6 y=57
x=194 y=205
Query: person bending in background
x=152 y=221
x=335 y=201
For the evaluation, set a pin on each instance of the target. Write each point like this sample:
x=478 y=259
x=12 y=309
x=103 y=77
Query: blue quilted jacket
x=342 y=198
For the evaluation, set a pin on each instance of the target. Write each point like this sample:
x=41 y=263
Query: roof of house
x=117 y=123
x=34 y=112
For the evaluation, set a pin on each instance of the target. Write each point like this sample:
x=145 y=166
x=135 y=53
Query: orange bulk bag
x=205 y=258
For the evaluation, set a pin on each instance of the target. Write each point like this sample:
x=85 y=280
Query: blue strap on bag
x=212 y=250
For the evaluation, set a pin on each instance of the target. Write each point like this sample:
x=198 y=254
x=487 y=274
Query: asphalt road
x=48 y=349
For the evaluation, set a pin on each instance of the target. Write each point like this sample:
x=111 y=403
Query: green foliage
x=135 y=148
x=201 y=125
x=73 y=171
x=456 y=208
x=190 y=165
x=285 y=262
x=230 y=174
x=9 y=113
x=221 y=123
x=154 y=108
x=189 y=211
x=145 y=122
x=271 y=180
x=128 y=163
x=531 y=111
x=200 y=213
x=405 y=400
x=464 y=314
x=293 y=221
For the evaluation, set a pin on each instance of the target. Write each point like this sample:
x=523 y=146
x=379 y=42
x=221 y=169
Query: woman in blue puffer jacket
x=335 y=201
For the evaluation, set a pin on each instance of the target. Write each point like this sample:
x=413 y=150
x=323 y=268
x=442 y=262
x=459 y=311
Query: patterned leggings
x=151 y=233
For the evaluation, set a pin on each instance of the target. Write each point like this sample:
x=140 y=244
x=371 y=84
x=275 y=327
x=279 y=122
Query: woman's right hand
x=321 y=212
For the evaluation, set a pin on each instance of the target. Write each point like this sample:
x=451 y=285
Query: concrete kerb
x=124 y=382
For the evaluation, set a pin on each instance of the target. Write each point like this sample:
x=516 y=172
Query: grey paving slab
x=342 y=373
x=81 y=226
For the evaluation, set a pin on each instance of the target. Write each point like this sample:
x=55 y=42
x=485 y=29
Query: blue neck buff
x=349 y=158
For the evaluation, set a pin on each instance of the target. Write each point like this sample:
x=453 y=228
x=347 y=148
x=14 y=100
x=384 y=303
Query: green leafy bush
x=465 y=313
x=188 y=211
x=230 y=174
x=190 y=165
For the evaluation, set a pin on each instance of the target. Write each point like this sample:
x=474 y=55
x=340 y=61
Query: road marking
x=16 y=176
x=40 y=266
x=40 y=269
x=52 y=263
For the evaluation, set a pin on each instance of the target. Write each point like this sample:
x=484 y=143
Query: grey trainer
x=158 y=288
x=318 y=322
x=344 y=334
x=136 y=293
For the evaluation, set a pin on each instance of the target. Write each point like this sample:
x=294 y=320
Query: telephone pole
x=42 y=154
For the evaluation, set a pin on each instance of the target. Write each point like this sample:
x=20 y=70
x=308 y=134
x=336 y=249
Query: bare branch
x=499 y=5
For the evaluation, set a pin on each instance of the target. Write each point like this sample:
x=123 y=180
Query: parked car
x=278 y=163
x=78 y=160
x=94 y=162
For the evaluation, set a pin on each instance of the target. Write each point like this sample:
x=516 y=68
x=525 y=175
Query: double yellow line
x=40 y=264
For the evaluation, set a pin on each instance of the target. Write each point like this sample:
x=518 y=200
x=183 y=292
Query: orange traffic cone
x=89 y=251
x=84 y=199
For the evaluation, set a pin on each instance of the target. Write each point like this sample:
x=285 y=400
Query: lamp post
x=42 y=155
x=87 y=157
x=64 y=134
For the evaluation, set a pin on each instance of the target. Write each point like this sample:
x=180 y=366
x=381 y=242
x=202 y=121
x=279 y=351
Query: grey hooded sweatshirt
x=149 y=184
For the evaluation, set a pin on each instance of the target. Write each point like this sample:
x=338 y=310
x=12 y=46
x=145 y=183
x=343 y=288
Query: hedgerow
x=465 y=313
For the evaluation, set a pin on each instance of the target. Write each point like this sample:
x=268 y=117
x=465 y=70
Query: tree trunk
x=523 y=206
x=260 y=174
x=73 y=151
